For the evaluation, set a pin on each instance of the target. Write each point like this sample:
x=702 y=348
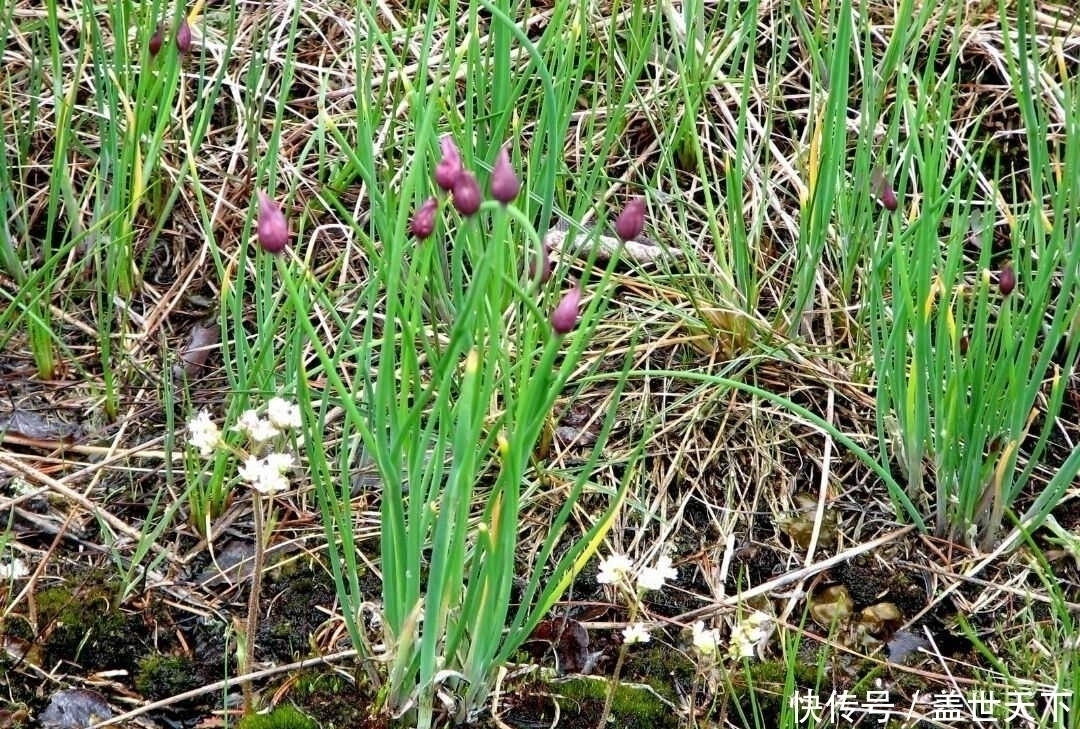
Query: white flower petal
x=613 y=569
x=636 y=633
x=283 y=414
x=279 y=462
x=203 y=433
x=13 y=570
x=705 y=641
x=251 y=469
x=256 y=428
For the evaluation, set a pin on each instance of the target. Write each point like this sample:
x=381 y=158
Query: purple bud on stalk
x=467 y=193
x=884 y=191
x=631 y=220
x=565 y=315
x=1006 y=280
x=541 y=266
x=423 y=220
x=449 y=168
x=183 y=37
x=272 y=228
x=504 y=183
x=156 y=40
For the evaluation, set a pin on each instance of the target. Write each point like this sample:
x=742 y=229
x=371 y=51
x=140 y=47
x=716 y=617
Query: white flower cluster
x=705 y=640
x=751 y=632
x=618 y=570
x=635 y=633
x=266 y=474
x=748 y=634
x=745 y=638
x=203 y=433
x=281 y=415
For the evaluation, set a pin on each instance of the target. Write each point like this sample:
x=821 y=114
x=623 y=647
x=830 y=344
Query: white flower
x=266 y=475
x=256 y=428
x=741 y=645
x=635 y=633
x=748 y=634
x=250 y=469
x=652 y=578
x=705 y=641
x=283 y=414
x=203 y=433
x=758 y=621
x=13 y=570
x=613 y=569
x=281 y=462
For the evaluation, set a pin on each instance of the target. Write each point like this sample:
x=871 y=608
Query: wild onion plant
x=974 y=345
x=472 y=353
x=443 y=366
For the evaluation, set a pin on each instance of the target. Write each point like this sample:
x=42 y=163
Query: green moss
x=293 y=616
x=63 y=605
x=16 y=626
x=632 y=707
x=756 y=693
x=660 y=668
x=160 y=676
x=83 y=628
x=334 y=700
x=282 y=717
x=774 y=673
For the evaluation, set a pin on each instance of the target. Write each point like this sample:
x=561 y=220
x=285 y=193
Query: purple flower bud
x=1006 y=280
x=541 y=265
x=272 y=228
x=467 y=193
x=423 y=221
x=449 y=168
x=183 y=37
x=154 y=46
x=504 y=183
x=631 y=220
x=883 y=189
x=565 y=315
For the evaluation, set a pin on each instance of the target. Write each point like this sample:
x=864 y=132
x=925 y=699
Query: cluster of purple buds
x=423 y=221
x=183 y=39
x=505 y=185
x=452 y=177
